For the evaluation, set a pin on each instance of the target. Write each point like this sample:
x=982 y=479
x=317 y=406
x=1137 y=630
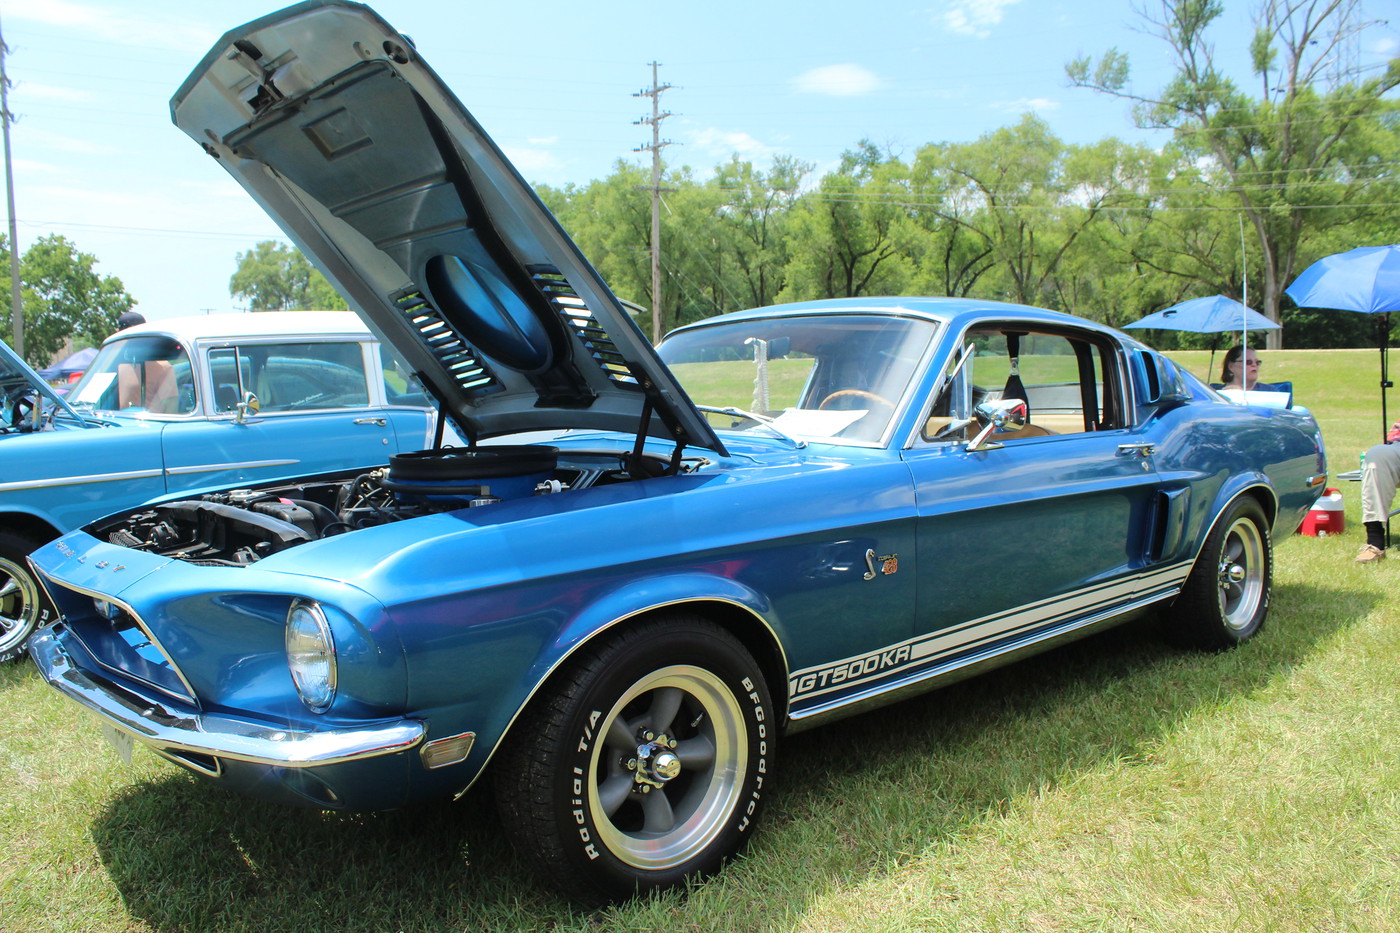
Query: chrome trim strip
x=219 y=736
x=76 y=480
x=214 y=467
x=140 y=474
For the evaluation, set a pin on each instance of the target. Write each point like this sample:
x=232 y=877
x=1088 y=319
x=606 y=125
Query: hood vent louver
x=468 y=370
x=582 y=324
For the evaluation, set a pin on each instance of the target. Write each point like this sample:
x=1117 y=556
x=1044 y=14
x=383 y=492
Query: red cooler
x=1325 y=517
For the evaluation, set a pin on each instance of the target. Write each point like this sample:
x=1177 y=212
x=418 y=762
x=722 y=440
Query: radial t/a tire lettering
x=1226 y=598
x=641 y=765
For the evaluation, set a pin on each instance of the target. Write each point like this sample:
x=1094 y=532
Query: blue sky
x=98 y=161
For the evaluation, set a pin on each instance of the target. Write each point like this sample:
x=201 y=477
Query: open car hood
x=329 y=118
x=17 y=378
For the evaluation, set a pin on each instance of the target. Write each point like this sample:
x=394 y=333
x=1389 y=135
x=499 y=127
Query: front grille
x=124 y=647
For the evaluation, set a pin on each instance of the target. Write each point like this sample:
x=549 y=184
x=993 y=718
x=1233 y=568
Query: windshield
x=824 y=377
x=147 y=373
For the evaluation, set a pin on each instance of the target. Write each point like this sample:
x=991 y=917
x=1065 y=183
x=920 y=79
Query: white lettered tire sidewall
x=722 y=709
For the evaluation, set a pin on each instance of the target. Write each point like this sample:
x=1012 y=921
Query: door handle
x=381 y=422
x=1143 y=450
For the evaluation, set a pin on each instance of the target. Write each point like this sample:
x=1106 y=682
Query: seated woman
x=1242 y=374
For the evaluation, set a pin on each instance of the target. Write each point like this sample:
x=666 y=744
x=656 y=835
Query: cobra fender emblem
x=889 y=564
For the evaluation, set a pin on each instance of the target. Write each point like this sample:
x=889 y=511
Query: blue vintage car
x=619 y=599
x=185 y=404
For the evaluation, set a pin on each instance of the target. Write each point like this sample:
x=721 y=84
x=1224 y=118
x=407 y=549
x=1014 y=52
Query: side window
x=150 y=373
x=1068 y=380
x=308 y=376
x=400 y=388
x=232 y=375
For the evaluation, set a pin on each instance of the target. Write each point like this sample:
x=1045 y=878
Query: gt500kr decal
x=926 y=650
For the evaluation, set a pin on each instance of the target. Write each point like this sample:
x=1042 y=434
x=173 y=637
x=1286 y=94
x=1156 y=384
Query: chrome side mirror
x=249 y=406
x=998 y=416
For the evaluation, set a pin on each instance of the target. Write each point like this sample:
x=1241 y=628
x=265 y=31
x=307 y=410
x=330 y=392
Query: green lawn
x=1114 y=785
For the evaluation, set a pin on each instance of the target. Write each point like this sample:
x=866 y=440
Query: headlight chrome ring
x=311 y=654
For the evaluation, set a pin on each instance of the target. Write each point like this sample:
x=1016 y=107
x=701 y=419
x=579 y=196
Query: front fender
x=611 y=609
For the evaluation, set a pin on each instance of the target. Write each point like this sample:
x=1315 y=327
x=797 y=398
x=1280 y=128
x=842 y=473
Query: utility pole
x=655 y=149
x=16 y=295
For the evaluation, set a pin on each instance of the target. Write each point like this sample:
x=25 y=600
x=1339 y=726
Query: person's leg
x=1379 y=479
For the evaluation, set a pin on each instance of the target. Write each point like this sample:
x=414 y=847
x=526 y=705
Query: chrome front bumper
x=153 y=725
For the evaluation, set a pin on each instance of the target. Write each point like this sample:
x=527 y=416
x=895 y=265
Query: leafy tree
x=842 y=237
x=1283 y=154
x=753 y=213
x=610 y=220
x=64 y=298
x=1005 y=215
x=275 y=277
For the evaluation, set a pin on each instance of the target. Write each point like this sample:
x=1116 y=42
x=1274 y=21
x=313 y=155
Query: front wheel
x=22 y=604
x=1226 y=597
x=643 y=764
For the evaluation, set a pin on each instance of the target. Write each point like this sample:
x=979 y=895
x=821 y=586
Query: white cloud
x=1026 y=105
x=838 y=81
x=110 y=26
x=974 y=17
x=724 y=143
x=543 y=140
x=531 y=162
x=28 y=90
x=35 y=138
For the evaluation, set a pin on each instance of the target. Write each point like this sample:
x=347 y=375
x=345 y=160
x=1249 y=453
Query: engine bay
x=239 y=527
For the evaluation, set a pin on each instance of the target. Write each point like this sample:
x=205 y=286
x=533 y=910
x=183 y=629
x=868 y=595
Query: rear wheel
x=1226 y=597
x=643 y=764
x=22 y=603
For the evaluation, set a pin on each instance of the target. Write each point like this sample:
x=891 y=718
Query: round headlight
x=311 y=655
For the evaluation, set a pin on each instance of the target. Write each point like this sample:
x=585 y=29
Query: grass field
x=1114 y=785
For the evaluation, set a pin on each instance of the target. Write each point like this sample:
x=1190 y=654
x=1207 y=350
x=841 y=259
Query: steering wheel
x=856 y=393
x=20 y=411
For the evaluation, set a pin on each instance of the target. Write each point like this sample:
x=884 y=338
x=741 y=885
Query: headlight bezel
x=311 y=654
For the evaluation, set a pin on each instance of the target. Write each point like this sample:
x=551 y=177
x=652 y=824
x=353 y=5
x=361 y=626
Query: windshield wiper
x=754 y=416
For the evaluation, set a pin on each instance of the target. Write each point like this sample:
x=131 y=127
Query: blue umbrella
x=1365 y=279
x=1214 y=315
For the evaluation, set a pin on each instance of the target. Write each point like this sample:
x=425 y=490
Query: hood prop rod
x=637 y=467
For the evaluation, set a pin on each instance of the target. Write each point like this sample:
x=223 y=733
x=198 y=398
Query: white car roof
x=259 y=324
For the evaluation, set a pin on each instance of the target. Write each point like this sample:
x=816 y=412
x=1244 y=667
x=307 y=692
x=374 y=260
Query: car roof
x=942 y=310
x=254 y=324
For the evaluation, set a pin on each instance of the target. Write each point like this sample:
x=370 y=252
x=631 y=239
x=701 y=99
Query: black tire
x=23 y=604
x=1226 y=597
x=642 y=764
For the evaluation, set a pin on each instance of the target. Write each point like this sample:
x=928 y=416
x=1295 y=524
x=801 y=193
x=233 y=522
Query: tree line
x=1249 y=187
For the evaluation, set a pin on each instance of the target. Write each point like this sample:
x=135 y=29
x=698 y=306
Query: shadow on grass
x=189 y=857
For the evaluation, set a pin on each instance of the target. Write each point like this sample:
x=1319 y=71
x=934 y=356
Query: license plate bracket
x=123 y=742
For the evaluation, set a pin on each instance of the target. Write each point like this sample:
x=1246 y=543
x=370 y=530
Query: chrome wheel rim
x=19 y=605
x=1241 y=575
x=670 y=768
